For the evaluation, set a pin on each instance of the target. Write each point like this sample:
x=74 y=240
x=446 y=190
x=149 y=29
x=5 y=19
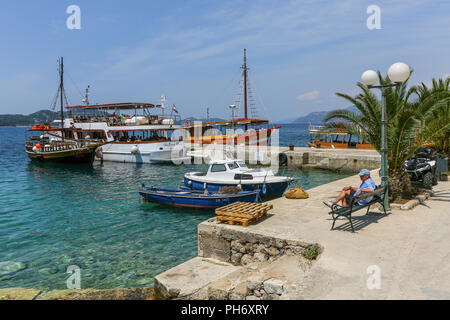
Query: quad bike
x=421 y=167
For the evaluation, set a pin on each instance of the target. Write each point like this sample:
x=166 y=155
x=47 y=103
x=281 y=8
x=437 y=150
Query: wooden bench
x=340 y=211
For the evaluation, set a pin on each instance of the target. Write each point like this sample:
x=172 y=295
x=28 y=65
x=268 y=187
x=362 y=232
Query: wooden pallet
x=242 y=212
x=234 y=220
x=245 y=210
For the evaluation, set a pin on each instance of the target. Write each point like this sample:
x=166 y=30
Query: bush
x=311 y=251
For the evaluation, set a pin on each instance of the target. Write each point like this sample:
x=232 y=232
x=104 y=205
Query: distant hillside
x=317 y=117
x=42 y=116
x=47 y=116
x=313 y=117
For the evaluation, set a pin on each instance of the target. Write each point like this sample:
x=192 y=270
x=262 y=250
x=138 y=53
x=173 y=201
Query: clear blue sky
x=300 y=52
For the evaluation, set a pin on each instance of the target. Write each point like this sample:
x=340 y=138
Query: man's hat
x=363 y=172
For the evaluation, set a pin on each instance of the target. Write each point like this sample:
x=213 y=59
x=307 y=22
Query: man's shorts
x=349 y=197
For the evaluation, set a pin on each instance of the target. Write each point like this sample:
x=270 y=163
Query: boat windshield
x=233 y=165
x=242 y=164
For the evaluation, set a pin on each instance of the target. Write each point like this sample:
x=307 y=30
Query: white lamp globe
x=399 y=72
x=369 y=77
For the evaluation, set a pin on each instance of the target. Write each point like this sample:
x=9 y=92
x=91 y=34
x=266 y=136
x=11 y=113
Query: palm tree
x=409 y=124
x=440 y=117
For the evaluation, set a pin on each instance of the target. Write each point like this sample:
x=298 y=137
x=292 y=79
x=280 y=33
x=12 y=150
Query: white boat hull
x=173 y=151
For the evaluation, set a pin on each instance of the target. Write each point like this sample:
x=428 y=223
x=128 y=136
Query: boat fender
x=99 y=153
x=239 y=186
x=264 y=189
x=134 y=149
x=205 y=185
x=189 y=182
x=35 y=149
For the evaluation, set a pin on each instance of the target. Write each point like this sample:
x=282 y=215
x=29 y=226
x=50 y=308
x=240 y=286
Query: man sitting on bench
x=367 y=185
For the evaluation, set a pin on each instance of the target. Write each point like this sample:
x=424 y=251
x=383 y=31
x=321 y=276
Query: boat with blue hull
x=195 y=198
x=236 y=173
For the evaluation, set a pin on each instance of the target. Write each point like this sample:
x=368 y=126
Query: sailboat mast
x=244 y=67
x=61 y=91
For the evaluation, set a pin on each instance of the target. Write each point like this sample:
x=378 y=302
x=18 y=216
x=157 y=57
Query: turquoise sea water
x=53 y=216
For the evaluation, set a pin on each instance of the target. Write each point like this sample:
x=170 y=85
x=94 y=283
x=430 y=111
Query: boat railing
x=126 y=120
x=55 y=146
x=317 y=127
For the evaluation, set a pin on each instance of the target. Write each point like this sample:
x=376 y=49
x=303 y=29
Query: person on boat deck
x=347 y=193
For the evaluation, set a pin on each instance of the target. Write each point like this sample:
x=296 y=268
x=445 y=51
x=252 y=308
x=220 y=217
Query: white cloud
x=309 y=95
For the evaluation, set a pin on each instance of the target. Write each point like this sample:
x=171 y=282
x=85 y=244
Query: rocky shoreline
x=82 y=294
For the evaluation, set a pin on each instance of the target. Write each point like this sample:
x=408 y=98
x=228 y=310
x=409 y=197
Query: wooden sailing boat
x=53 y=144
x=255 y=136
x=340 y=138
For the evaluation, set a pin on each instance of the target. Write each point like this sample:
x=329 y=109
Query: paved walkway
x=411 y=249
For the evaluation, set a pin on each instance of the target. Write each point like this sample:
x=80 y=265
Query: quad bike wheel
x=428 y=180
x=435 y=180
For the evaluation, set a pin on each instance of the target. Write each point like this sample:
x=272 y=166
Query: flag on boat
x=174 y=108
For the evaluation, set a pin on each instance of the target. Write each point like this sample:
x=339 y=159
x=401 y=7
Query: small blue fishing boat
x=223 y=173
x=195 y=198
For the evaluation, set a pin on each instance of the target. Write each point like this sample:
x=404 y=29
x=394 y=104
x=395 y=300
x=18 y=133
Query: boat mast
x=61 y=90
x=244 y=67
x=86 y=96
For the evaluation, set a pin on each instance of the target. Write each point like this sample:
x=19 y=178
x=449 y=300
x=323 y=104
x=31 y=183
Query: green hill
x=42 y=116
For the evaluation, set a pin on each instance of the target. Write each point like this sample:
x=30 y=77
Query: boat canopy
x=115 y=106
x=240 y=121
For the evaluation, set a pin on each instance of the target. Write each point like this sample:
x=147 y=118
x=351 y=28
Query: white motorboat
x=236 y=173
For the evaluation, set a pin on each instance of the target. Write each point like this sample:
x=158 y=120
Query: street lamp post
x=399 y=72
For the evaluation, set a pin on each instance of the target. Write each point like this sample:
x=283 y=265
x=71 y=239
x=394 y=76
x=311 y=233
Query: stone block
x=272 y=251
x=241 y=289
x=259 y=256
x=253 y=284
x=246 y=259
x=219 y=290
x=236 y=258
x=273 y=286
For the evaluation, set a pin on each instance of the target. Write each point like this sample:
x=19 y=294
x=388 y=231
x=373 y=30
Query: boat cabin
x=121 y=114
x=324 y=137
x=235 y=131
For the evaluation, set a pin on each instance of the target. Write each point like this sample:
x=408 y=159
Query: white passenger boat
x=236 y=173
x=132 y=132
